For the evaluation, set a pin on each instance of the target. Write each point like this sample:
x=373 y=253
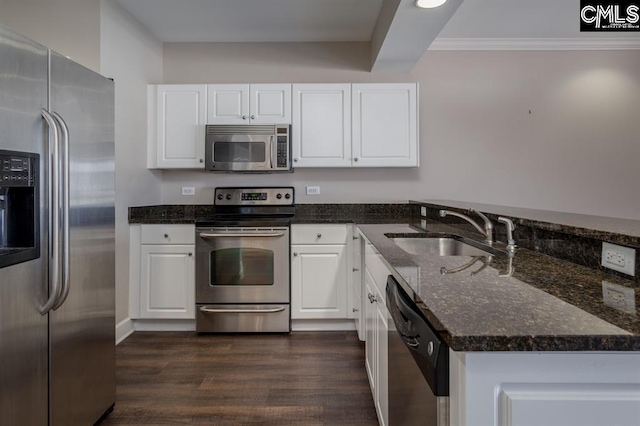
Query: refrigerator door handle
x=53 y=199
x=64 y=164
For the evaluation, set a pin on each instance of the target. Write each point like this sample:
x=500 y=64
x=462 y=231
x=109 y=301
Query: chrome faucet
x=488 y=226
x=511 y=242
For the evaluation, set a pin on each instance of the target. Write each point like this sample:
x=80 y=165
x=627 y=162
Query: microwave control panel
x=282 y=146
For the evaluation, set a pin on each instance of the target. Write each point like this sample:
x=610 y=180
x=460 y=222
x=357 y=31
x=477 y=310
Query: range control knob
x=279 y=196
x=287 y=196
x=220 y=196
x=228 y=196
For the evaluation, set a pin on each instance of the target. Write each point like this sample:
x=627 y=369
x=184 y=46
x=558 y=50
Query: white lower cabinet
x=545 y=388
x=376 y=352
x=376 y=328
x=319 y=274
x=354 y=309
x=162 y=272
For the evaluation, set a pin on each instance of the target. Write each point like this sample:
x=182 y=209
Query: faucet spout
x=511 y=242
x=487 y=231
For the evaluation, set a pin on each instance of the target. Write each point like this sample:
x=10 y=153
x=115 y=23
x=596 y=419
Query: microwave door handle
x=272 y=146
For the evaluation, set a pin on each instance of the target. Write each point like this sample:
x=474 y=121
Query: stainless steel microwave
x=248 y=148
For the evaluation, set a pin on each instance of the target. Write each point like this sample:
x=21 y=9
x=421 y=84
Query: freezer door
x=82 y=329
x=23 y=286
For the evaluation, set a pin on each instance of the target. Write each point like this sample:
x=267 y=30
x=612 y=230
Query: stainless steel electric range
x=243 y=262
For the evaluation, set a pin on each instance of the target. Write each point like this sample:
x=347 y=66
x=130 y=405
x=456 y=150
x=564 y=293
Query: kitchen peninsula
x=530 y=332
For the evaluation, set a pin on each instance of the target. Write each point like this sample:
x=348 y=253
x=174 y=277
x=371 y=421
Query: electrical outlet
x=619 y=258
x=313 y=190
x=619 y=297
x=188 y=190
x=423 y=211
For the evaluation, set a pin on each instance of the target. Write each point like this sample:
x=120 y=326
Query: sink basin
x=438 y=247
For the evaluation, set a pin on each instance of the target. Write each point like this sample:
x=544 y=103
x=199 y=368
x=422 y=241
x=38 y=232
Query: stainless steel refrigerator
x=57 y=263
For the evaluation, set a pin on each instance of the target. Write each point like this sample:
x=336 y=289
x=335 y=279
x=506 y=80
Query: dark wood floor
x=262 y=379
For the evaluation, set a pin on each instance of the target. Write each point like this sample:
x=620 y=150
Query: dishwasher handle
x=429 y=351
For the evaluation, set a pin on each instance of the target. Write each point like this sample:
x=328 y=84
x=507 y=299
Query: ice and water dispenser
x=19 y=207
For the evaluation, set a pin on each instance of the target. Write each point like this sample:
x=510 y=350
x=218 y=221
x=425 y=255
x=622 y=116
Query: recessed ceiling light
x=428 y=4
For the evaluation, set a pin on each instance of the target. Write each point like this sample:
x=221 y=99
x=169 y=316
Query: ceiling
x=397 y=29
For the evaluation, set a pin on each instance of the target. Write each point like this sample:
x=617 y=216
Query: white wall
x=69 y=27
x=133 y=58
x=290 y=63
x=575 y=152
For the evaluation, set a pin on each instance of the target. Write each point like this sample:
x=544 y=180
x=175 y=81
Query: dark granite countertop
x=546 y=304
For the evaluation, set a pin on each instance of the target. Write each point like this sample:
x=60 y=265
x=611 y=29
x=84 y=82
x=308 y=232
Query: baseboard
x=124 y=329
x=323 y=325
x=164 y=325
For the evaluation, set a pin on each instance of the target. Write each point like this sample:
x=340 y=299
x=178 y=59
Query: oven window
x=241 y=266
x=239 y=152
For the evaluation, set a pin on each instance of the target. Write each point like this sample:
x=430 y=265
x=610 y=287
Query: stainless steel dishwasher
x=418 y=365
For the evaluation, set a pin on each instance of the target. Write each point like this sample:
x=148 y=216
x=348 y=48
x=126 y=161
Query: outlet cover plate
x=313 y=190
x=188 y=190
x=423 y=211
x=619 y=297
x=619 y=258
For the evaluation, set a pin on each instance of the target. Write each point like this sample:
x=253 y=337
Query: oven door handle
x=241 y=234
x=242 y=311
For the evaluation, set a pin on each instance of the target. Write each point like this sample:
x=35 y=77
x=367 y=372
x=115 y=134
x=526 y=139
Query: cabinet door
x=167 y=281
x=318 y=281
x=385 y=125
x=370 y=330
x=355 y=284
x=228 y=104
x=382 y=362
x=321 y=125
x=180 y=120
x=270 y=103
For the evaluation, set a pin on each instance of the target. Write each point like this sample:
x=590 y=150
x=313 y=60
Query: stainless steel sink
x=438 y=247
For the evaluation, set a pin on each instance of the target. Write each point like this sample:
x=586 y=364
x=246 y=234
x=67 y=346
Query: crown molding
x=581 y=43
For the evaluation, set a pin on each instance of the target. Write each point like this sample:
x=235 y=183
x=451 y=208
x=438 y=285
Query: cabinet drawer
x=319 y=234
x=376 y=267
x=167 y=234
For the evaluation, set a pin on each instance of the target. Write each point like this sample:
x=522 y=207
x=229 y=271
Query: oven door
x=242 y=265
x=239 y=152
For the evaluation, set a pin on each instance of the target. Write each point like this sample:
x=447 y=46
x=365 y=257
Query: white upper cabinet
x=177 y=115
x=355 y=125
x=333 y=125
x=321 y=125
x=385 y=125
x=249 y=104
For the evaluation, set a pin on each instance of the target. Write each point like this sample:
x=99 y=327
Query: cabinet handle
x=319 y=235
x=253 y=117
x=295 y=253
x=166 y=235
x=295 y=160
x=201 y=160
x=355 y=159
x=355 y=237
x=190 y=254
x=355 y=269
x=244 y=117
x=355 y=310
